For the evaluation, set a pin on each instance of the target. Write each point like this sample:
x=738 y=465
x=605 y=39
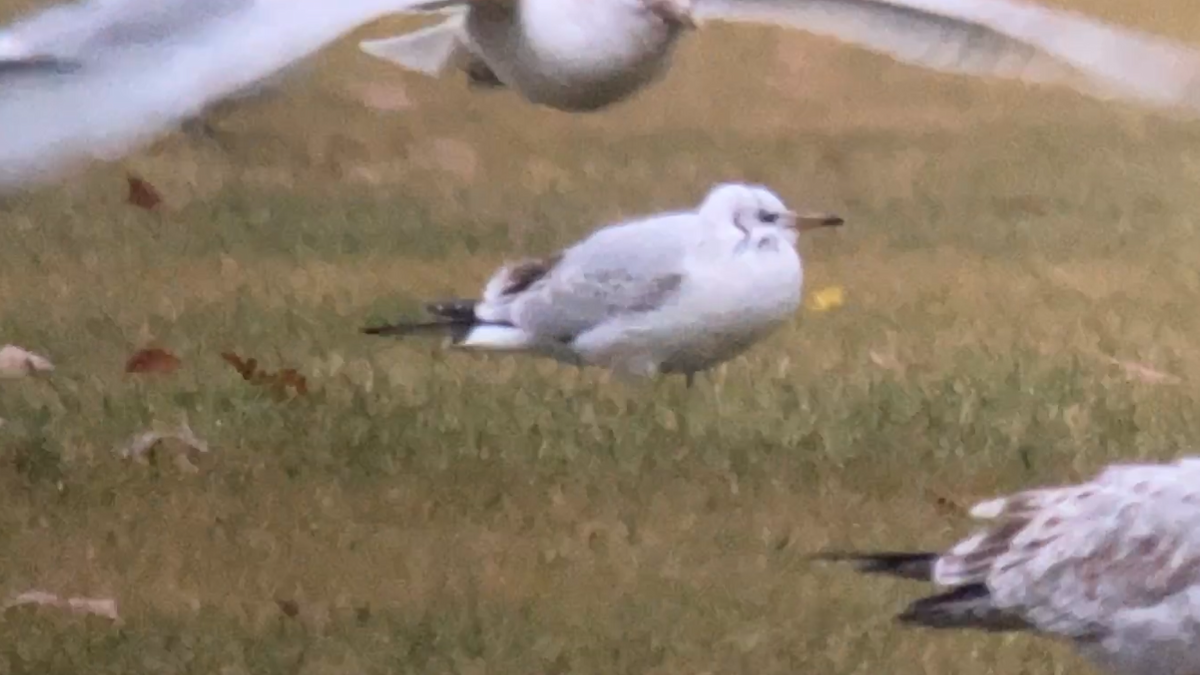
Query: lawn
x=1019 y=268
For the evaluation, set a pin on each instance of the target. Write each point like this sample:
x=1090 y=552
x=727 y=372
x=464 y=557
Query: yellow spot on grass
x=825 y=299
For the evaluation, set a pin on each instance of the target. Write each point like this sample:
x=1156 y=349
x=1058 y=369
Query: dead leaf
x=16 y=362
x=278 y=383
x=290 y=608
x=142 y=194
x=885 y=361
x=152 y=360
x=1143 y=373
x=388 y=98
x=105 y=607
x=140 y=445
x=245 y=367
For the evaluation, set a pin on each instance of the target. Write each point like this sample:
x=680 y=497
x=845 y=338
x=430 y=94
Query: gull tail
x=916 y=566
x=429 y=51
x=968 y=606
x=467 y=331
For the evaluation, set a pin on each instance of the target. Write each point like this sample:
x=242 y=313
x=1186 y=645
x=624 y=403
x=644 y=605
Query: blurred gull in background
x=101 y=78
x=580 y=55
x=672 y=293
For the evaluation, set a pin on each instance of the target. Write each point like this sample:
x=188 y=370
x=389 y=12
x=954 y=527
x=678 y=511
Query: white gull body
x=581 y=55
x=673 y=293
x=1112 y=564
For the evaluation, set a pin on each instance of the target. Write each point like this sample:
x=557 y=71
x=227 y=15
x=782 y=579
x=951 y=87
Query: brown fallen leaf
x=245 y=367
x=290 y=608
x=278 y=383
x=142 y=194
x=152 y=360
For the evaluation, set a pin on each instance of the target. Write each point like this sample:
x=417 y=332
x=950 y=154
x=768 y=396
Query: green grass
x=431 y=512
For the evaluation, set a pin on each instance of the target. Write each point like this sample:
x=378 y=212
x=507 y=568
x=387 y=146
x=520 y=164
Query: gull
x=65 y=37
x=676 y=292
x=1112 y=565
x=98 y=79
x=585 y=55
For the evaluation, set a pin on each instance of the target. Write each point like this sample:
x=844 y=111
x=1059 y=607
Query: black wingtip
x=402 y=329
x=456 y=316
x=916 y=566
x=970 y=606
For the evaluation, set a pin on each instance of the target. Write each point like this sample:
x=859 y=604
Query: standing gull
x=1112 y=565
x=580 y=55
x=671 y=293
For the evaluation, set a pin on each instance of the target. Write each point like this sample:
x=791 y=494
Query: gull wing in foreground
x=1008 y=39
x=122 y=72
x=1112 y=564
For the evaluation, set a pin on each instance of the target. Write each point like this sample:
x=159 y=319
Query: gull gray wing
x=1083 y=560
x=145 y=67
x=622 y=270
x=1009 y=39
x=87 y=28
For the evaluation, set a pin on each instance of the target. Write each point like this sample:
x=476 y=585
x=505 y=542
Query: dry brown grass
x=434 y=513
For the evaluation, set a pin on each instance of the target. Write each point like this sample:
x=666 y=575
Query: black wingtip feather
x=401 y=329
x=969 y=606
x=454 y=316
x=916 y=566
x=457 y=330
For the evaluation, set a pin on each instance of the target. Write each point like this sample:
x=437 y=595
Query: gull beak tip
x=811 y=221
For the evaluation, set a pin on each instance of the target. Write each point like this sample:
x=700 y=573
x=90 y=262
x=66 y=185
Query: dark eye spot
x=767 y=216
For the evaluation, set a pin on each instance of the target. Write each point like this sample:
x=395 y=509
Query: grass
x=425 y=512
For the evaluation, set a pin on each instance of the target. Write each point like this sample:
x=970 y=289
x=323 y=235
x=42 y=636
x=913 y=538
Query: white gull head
x=748 y=206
